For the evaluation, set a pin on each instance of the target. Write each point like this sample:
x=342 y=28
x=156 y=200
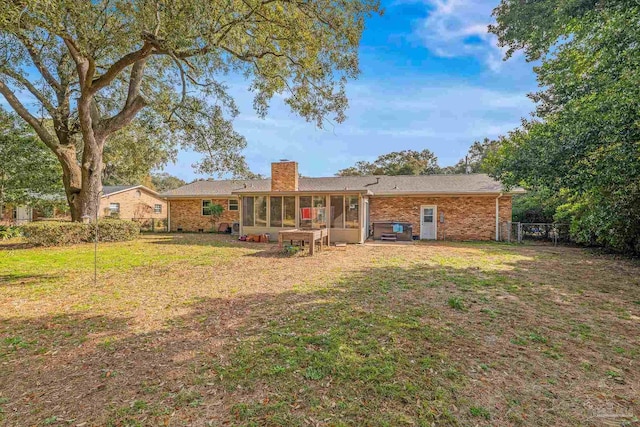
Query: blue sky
x=431 y=78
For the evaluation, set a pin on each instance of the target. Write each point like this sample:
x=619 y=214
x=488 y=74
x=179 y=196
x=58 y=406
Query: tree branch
x=137 y=72
x=31 y=88
x=124 y=117
x=37 y=61
x=15 y=103
x=121 y=64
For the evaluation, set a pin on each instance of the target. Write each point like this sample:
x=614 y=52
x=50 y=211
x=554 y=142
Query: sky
x=432 y=77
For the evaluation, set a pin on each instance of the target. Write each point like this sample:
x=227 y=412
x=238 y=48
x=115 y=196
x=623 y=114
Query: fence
x=542 y=232
x=151 y=224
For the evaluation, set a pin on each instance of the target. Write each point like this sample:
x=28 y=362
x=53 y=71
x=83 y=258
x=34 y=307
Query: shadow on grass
x=380 y=347
x=22 y=279
x=204 y=239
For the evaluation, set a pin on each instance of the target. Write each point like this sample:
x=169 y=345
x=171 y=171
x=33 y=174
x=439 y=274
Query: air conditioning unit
x=235 y=228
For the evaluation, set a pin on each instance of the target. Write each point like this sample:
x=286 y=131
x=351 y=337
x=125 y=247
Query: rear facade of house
x=433 y=207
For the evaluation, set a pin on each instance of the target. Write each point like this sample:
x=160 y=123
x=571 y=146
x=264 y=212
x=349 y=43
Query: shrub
x=115 y=230
x=53 y=233
x=9 y=232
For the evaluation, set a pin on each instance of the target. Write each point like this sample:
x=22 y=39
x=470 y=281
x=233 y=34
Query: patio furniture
x=310 y=236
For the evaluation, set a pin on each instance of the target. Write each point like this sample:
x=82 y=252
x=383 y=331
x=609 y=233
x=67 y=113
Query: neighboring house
x=132 y=202
x=451 y=207
x=16 y=215
x=48 y=207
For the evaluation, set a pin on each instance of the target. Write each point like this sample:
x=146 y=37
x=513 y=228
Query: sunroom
x=270 y=212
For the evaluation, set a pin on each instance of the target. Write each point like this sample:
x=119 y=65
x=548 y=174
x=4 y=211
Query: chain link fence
x=535 y=231
x=152 y=225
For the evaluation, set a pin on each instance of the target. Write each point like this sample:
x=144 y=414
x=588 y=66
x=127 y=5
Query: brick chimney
x=284 y=176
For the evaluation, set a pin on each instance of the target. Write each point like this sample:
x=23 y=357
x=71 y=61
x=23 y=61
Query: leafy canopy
x=585 y=137
x=408 y=162
x=93 y=66
x=28 y=171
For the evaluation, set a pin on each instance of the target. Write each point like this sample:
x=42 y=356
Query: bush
x=115 y=230
x=9 y=232
x=53 y=233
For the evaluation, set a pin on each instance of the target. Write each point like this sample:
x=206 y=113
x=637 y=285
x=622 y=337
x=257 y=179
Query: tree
x=164 y=182
x=585 y=137
x=29 y=172
x=408 y=162
x=476 y=159
x=131 y=153
x=92 y=66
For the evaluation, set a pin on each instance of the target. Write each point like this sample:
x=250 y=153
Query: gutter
x=168 y=216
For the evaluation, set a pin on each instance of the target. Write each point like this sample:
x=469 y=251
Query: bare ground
x=201 y=330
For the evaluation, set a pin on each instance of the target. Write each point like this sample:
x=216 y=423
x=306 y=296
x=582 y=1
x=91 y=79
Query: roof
x=375 y=185
x=108 y=190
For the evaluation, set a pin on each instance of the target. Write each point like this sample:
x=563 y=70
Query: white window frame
x=157 y=208
x=237 y=205
x=202 y=206
x=112 y=210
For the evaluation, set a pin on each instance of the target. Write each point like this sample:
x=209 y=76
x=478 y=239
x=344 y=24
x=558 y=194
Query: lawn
x=201 y=330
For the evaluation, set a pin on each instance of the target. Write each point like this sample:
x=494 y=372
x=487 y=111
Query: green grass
x=196 y=329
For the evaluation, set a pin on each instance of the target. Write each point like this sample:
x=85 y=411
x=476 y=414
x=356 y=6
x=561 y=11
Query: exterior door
x=22 y=214
x=428 y=224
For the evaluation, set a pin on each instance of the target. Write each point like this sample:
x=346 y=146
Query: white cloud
x=459 y=28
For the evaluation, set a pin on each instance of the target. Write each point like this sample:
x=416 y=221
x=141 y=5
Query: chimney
x=284 y=176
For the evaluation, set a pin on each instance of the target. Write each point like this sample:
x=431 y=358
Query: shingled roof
x=112 y=189
x=375 y=185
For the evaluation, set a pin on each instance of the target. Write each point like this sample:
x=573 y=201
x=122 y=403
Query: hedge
x=54 y=233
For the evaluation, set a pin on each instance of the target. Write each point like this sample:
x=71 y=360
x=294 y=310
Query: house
x=132 y=202
x=451 y=207
x=48 y=206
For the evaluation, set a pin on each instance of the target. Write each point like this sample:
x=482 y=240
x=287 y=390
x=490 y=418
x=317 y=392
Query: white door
x=428 y=225
x=22 y=214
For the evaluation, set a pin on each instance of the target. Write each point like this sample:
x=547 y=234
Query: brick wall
x=134 y=203
x=466 y=217
x=284 y=176
x=187 y=214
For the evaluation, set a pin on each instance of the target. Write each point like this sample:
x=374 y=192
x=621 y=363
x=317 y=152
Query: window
x=275 y=217
x=337 y=211
x=114 y=208
x=247 y=211
x=157 y=208
x=282 y=211
x=305 y=211
x=261 y=211
x=232 y=205
x=351 y=208
x=427 y=214
x=205 y=207
x=289 y=211
x=319 y=212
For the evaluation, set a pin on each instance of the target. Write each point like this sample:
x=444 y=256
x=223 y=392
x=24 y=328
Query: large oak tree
x=90 y=67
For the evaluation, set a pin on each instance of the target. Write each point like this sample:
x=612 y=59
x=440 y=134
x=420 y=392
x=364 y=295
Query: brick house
x=451 y=207
x=132 y=202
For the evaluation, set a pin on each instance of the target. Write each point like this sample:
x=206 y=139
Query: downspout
x=498 y=217
x=169 y=216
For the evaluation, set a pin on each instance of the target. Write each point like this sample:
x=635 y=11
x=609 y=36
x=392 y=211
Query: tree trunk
x=83 y=182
